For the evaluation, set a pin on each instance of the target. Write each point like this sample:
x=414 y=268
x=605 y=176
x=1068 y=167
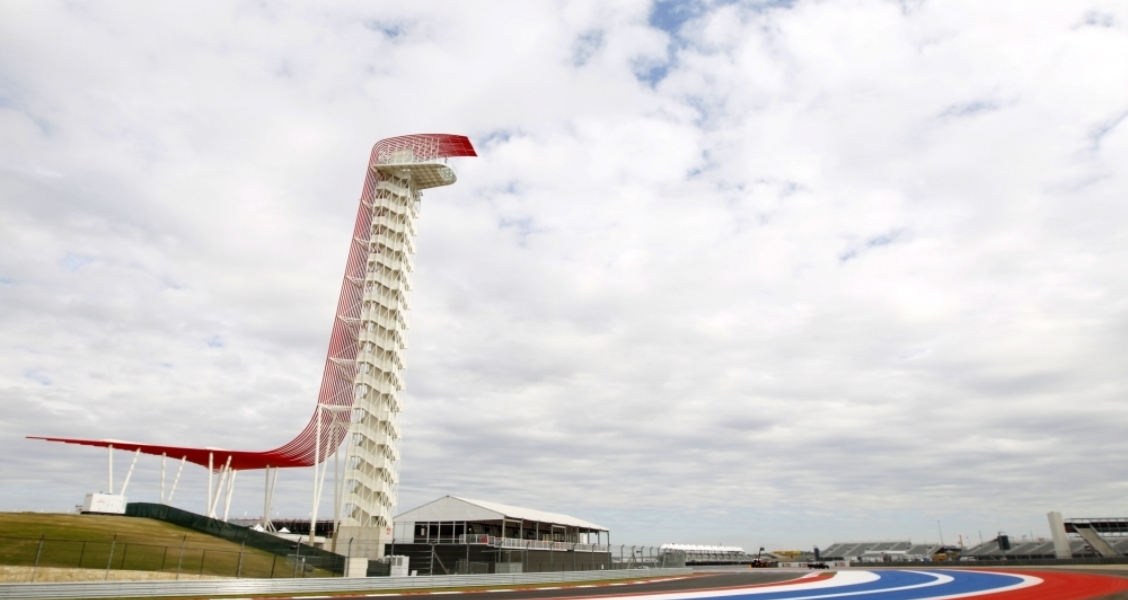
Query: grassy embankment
x=86 y=541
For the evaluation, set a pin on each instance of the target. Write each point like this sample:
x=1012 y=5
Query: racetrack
x=852 y=584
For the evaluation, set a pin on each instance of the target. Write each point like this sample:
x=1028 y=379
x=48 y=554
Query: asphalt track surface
x=877 y=584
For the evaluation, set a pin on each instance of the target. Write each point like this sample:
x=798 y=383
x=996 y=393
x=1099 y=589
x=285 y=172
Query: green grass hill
x=95 y=541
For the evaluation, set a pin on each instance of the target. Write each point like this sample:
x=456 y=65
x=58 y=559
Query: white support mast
x=176 y=480
x=230 y=492
x=129 y=474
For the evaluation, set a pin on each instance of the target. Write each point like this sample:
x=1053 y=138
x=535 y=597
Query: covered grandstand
x=886 y=551
x=1087 y=538
x=1025 y=550
x=455 y=535
x=453 y=520
x=698 y=554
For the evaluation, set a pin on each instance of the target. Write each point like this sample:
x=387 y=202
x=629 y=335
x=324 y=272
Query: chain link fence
x=185 y=559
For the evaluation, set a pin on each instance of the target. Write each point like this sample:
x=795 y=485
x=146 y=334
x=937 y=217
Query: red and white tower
x=366 y=359
x=360 y=399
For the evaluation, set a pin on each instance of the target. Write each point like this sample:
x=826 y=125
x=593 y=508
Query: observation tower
x=360 y=399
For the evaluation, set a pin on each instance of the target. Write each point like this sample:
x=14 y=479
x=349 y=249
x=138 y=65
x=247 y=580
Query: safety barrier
x=307 y=555
x=261 y=587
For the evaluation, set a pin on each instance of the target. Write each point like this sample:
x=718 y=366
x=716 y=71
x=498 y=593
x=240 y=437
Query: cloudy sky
x=763 y=273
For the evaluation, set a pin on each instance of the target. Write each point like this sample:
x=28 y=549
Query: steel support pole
x=230 y=492
x=321 y=484
x=38 y=553
x=110 y=469
x=129 y=474
x=224 y=473
x=110 y=560
x=265 y=498
x=180 y=559
x=316 y=460
x=336 y=490
x=211 y=467
x=218 y=492
x=176 y=480
x=270 y=503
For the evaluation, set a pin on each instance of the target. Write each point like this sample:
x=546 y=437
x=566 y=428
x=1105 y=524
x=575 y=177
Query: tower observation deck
x=360 y=398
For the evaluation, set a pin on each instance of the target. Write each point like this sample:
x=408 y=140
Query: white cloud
x=776 y=274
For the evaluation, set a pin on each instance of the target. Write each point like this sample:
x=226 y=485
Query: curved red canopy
x=336 y=396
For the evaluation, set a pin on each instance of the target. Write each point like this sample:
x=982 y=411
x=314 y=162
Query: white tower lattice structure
x=400 y=169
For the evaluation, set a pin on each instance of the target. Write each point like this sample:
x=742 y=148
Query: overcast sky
x=762 y=273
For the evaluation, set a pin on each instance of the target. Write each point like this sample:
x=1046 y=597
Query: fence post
x=38 y=552
x=180 y=561
x=203 y=559
x=239 y=566
x=81 y=554
x=272 y=565
x=125 y=550
x=110 y=559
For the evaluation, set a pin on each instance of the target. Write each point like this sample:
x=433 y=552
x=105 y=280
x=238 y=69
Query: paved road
x=853 y=584
x=704 y=581
x=849 y=584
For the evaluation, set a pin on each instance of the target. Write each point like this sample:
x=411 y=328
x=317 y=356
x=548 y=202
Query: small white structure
x=399 y=566
x=104 y=504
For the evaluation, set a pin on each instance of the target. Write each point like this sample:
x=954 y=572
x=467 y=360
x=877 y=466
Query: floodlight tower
x=372 y=322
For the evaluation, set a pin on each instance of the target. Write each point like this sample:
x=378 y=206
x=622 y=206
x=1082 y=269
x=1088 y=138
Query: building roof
x=705 y=549
x=451 y=508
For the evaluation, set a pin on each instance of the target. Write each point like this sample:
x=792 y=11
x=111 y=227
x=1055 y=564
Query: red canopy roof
x=340 y=366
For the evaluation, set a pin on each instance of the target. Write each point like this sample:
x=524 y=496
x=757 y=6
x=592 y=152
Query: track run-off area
x=853 y=584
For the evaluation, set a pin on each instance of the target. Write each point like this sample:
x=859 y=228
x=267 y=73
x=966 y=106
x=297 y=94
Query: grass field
x=131 y=543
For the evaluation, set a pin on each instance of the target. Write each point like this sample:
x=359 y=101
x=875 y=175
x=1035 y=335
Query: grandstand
x=454 y=535
x=696 y=554
x=1079 y=538
x=1041 y=549
x=1037 y=549
x=1106 y=537
x=880 y=551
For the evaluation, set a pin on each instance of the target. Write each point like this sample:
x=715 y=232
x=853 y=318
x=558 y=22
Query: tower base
x=367 y=542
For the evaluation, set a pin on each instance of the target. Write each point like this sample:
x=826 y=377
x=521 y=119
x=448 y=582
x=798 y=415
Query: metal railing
x=519 y=544
x=189 y=557
x=261 y=587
